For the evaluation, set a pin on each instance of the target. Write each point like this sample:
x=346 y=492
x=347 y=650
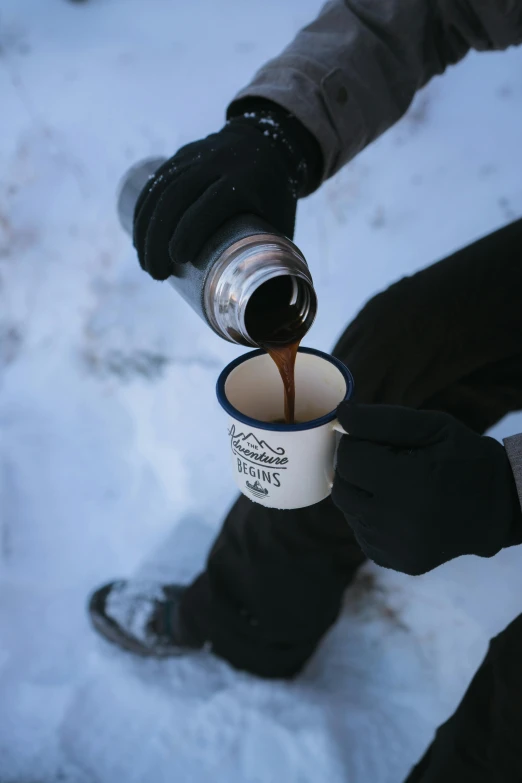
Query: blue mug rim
x=263 y=425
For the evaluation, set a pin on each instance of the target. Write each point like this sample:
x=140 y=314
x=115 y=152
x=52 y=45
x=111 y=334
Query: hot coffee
x=274 y=319
x=284 y=358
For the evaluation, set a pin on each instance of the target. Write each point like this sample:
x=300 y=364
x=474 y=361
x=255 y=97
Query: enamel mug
x=275 y=464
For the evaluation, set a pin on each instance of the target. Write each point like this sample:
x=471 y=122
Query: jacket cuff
x=314 y=99
x=513 y=446
x=300 y=147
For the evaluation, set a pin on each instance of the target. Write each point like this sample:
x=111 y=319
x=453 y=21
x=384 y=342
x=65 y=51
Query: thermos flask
x=250 y=283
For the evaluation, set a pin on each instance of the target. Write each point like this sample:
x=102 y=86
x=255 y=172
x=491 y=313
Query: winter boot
x=142 y=617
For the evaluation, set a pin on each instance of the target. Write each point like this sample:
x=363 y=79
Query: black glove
x=260 y=163
x=419 y=488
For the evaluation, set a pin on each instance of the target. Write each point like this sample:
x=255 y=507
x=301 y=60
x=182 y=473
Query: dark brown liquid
x=284 y=357
x=273 y=319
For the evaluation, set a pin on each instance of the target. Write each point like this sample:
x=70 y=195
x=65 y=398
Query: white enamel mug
x=284 y=465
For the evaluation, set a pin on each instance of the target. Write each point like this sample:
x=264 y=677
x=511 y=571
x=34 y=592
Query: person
x=417 y=482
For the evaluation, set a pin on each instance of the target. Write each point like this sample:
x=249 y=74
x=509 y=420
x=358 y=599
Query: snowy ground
x=112 y=445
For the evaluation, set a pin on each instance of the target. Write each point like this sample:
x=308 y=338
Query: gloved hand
x=419 y=488
x=260 y=163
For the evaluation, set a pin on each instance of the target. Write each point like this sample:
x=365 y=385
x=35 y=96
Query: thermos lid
x=130 y=187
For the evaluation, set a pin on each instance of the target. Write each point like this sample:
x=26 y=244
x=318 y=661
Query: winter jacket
x=353 y=72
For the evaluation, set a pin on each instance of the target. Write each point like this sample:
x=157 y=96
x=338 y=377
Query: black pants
x=448 y=338
x=482 y=741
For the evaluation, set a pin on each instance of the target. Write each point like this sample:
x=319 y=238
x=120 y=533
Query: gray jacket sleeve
x=514 y=451
x=354 y=71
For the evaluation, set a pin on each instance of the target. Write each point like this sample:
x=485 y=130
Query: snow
x=112 y=446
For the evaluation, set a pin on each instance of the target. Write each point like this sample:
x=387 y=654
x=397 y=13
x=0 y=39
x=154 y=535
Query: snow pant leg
x=273 y=585
x=482 y=741
x=448 y=337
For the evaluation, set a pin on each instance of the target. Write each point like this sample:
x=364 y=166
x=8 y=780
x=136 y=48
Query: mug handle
x=337 y=427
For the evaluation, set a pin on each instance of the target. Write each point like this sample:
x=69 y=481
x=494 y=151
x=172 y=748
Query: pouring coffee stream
x=272 y=316
x=284 y=357
x=249 y=283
